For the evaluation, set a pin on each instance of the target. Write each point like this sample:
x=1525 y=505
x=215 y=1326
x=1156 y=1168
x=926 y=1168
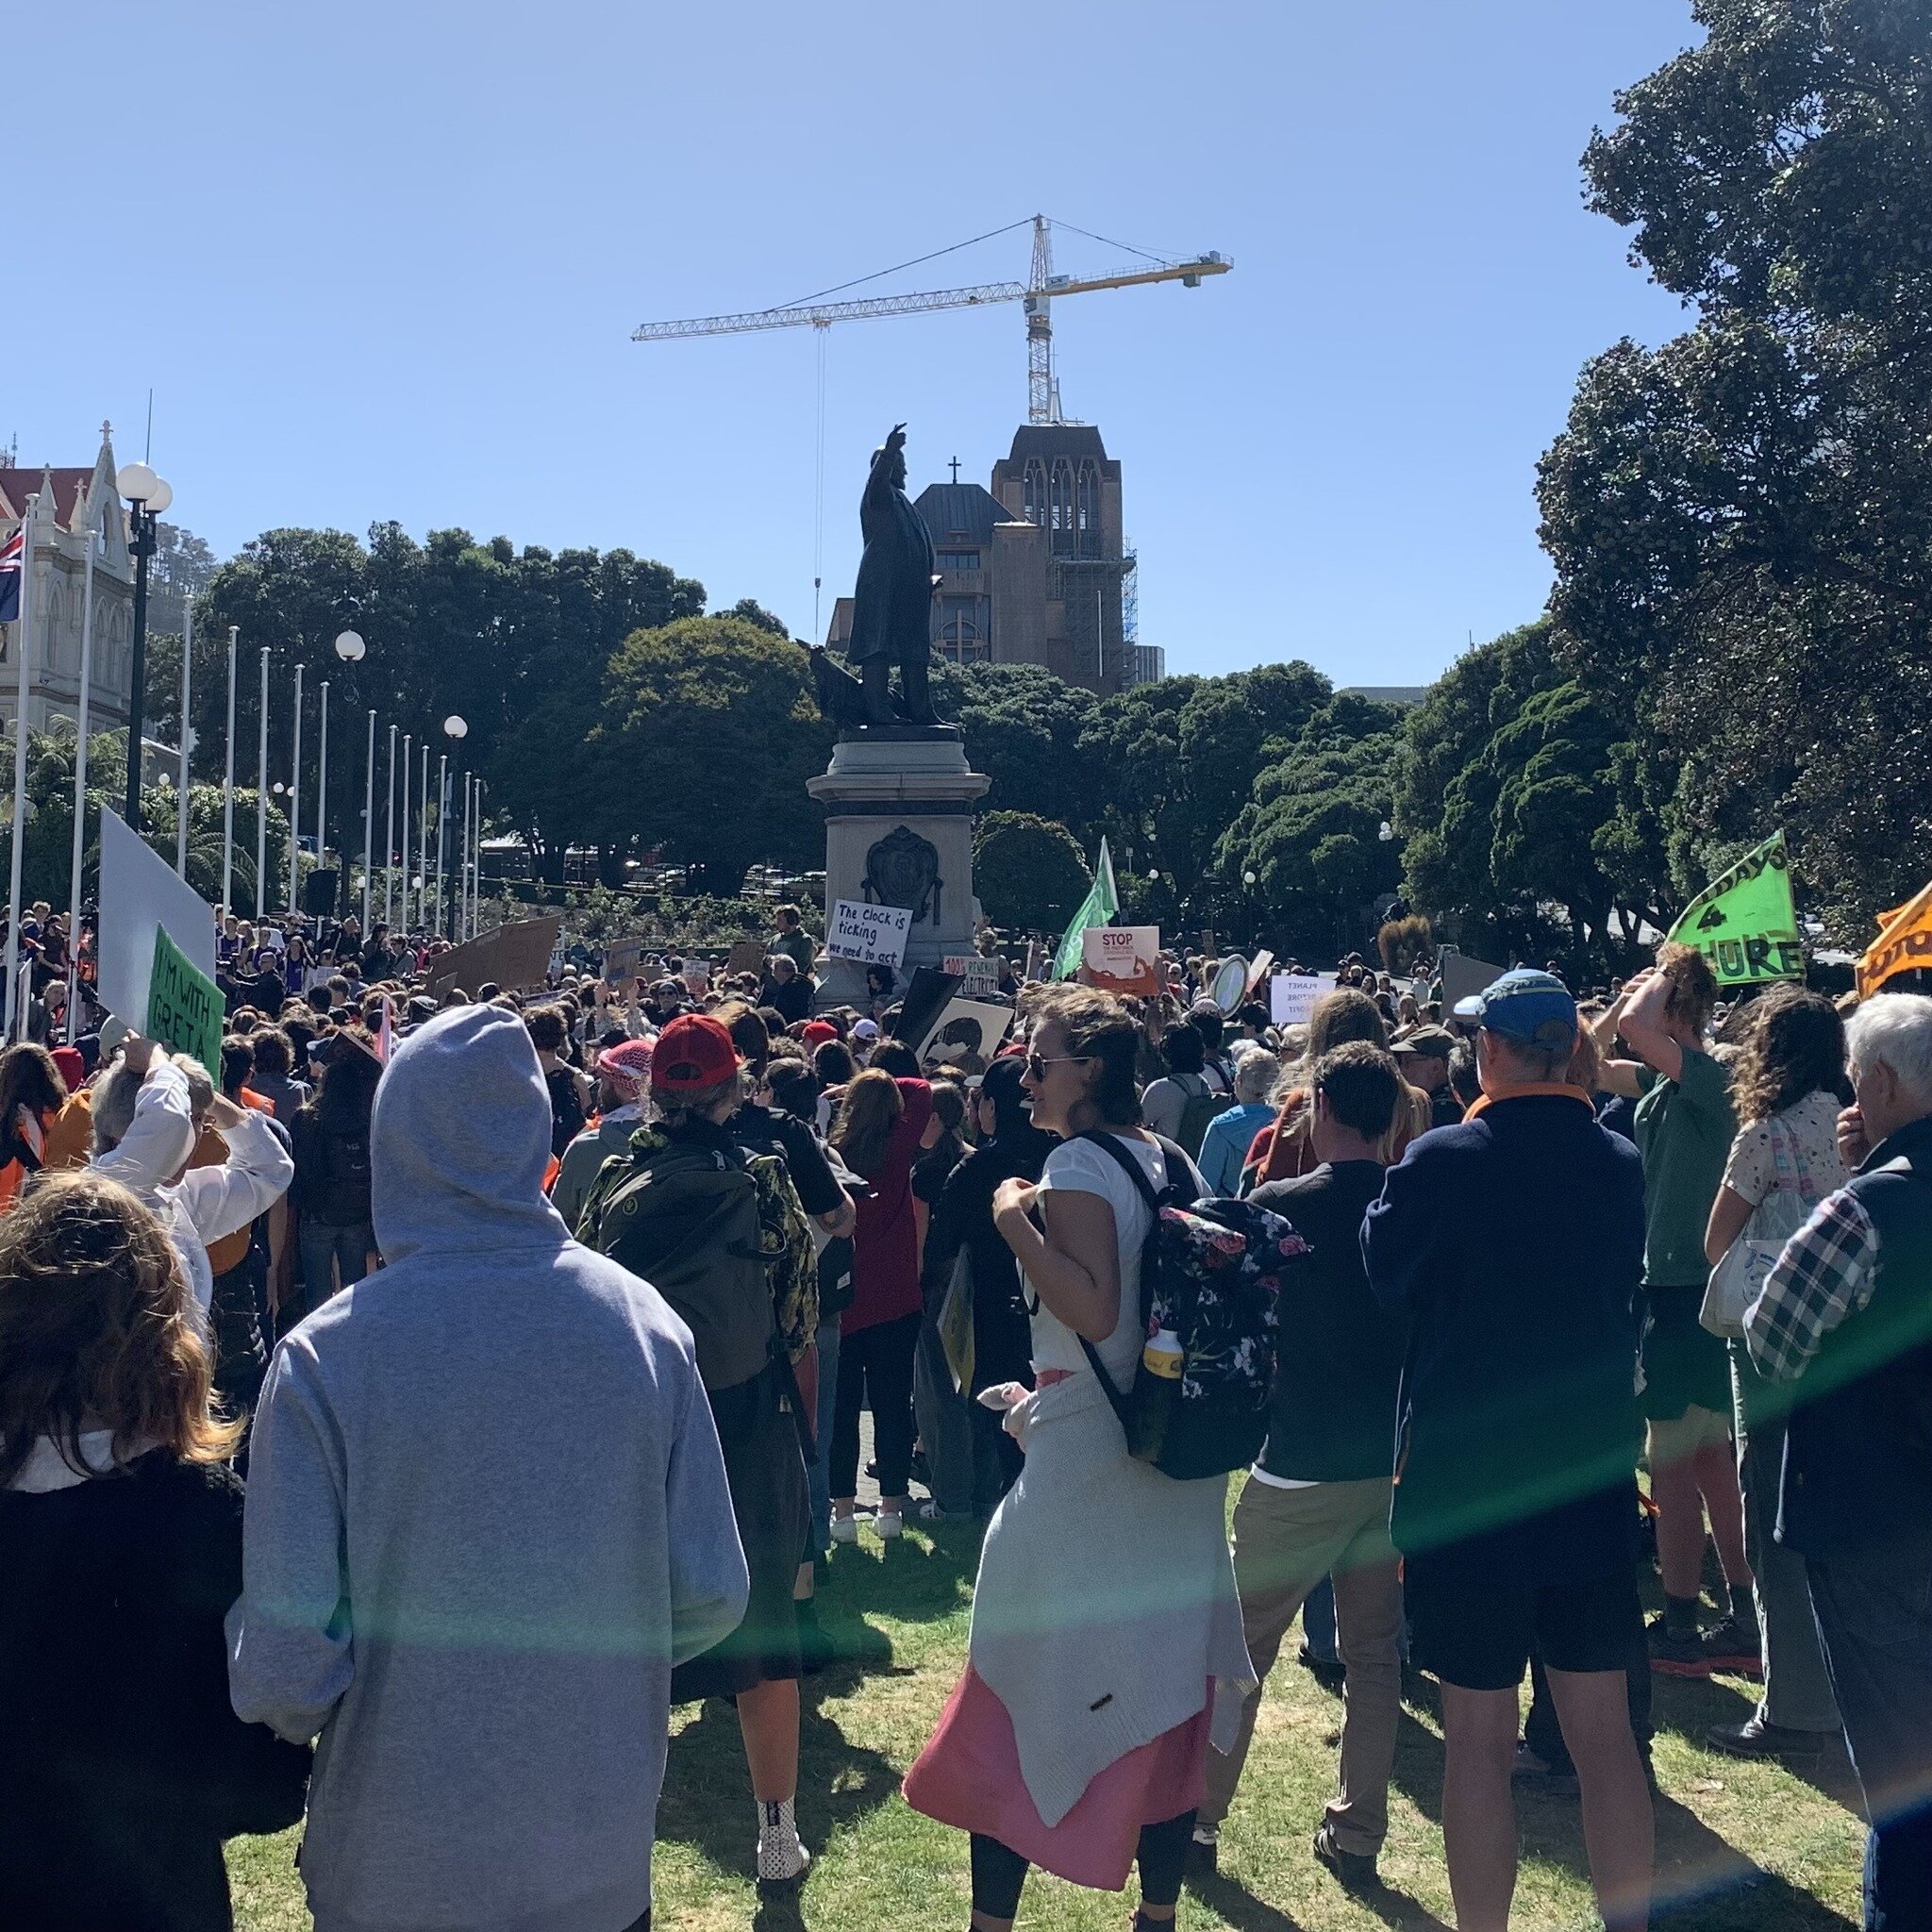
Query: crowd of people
x=399 y=1419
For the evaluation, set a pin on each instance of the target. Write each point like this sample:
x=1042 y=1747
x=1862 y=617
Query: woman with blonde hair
x=122 y=1765
x=877 y=1134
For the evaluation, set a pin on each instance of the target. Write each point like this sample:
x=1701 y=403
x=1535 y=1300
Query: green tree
x=1029 y=872
x=1741 y=520
x=710 y=731
x=1023 y=729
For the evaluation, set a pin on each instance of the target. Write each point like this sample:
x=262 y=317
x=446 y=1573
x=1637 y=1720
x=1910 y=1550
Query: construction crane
x=1039 y=292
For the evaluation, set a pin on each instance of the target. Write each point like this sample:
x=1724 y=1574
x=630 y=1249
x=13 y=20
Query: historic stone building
x=76 y=508
x=1035 y=569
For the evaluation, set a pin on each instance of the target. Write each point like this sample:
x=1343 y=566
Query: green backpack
x=1199 y=1114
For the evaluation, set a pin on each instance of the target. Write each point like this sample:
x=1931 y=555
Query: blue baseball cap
x=1526 y=1005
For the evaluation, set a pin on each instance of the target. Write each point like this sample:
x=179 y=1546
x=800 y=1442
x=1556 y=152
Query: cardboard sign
x=185 y=1007
x=979 y=976
x=1463 y=976
x=1036 y=959
x=872 y=935
x=746 y=956
x=1123 y=960
x=697 y=978
x=970 y=1027
x=923 y=1001
x=1291 y=996
x=516 y=957
x=1257 y=970
x=140 y=895
x=623 y=959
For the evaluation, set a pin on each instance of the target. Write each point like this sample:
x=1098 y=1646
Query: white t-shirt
x=1078 y=1167
x=1810 y=1137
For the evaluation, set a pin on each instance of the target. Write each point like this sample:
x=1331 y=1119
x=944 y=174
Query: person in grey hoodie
x=487 y=1513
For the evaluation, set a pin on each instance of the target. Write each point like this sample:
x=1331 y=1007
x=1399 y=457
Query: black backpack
x=687 y=1221
x=1211 y=1275
x=343 y=1198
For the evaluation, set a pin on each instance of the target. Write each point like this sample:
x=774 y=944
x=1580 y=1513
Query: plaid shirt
x=1826 y=1272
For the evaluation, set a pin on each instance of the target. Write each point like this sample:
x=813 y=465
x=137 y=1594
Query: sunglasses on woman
x=1036 y=1064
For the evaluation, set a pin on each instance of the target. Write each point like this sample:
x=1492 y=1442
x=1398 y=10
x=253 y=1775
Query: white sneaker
x=844 y=1529
x=782 y=1859
x=888 y=1524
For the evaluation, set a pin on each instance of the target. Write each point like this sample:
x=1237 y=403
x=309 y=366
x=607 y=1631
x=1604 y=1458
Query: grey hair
x=1255 y=1075
x=201 y=1086
x=112 y=1105
x=1895 y=1030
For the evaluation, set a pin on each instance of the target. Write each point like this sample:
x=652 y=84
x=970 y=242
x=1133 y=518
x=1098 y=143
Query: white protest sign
x=1123 y=960
x=142 y=893
x=872 y=935
x=968 y=1026
x=1291 y=996
x=981 y=976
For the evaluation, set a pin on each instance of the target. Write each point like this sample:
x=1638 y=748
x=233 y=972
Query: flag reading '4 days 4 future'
x=1744 y=921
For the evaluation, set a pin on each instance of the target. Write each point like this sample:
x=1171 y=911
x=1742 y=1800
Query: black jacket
x=122 y=1765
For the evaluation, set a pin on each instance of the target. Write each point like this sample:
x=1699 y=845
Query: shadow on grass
x=1689 y=1707
x=1704 y=1880
x=1232 y=1900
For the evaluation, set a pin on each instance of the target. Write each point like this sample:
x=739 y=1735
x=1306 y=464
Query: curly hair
x=97 y=1329
x=1693 y=985
x=1795 y=1046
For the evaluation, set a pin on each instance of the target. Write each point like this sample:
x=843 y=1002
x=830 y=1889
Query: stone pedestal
x=898 y=802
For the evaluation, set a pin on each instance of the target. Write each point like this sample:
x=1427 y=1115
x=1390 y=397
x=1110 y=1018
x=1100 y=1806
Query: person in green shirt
x=793 y=941
x=1685 y=1125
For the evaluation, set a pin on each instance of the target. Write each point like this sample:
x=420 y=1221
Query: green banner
x=1744 y=921
x=1101 y=907
x=185 y=1007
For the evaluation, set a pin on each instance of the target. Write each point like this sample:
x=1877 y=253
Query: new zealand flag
x=12 y=552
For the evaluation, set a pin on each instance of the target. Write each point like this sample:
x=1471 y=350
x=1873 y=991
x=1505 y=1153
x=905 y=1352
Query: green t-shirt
x=1684 y=1131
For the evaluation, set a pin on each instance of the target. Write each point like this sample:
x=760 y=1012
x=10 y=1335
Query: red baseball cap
x=818 y=1031
x=695 y=1051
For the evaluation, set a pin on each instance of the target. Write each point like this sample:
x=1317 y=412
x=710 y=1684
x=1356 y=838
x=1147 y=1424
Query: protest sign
x=1123 y=960
x=623 y=958
x=1230 y=984
x=1744 y=923
x=185 y=1007
x=1035 y=958
x=872 y=935
x=923 y=1001
x=1257 y=970
x=970 y=1027
x=1464 y=976
x=746 y=956
x=516 y=957
x=979 y=976
x=697 y=978
x=141 y=894
x=1291 y=996
x=1904 y=943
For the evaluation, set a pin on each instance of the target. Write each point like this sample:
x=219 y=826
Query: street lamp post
x=150 y=496
x=350 y=650
x=455 y=728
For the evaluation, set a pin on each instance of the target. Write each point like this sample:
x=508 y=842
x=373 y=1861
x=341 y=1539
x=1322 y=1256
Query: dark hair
x=1253 y=1014
x=1001 y=1085
x=833 y=1063
x=1795 y=1045
x=29 y=1078
x=1210 y=1027
x=1361 y=1086
x=274 y=1051
x=1344 y=1015
x=1183 y=1050
x=1098 y=1027
x=237 y=1062
x=1465 y=1082
x=750 y=1033
x=896 y=1058
x=881 y=981
x=346 y=1092
x=546 y=1024
x=949 y=1104
x=793 y=1088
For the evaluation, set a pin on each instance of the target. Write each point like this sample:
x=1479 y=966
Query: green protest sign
x=184 y=1006
x=1744 y=921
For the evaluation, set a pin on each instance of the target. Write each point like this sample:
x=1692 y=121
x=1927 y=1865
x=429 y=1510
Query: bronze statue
x=891 y=603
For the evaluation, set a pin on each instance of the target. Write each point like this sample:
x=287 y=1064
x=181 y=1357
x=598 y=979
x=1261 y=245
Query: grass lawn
x=1740 y=1846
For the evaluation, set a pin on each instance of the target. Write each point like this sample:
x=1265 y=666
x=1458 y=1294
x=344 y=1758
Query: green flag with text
x=1101 y=907
x=1744 y=923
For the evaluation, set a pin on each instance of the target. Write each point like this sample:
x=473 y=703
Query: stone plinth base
x=899 y=805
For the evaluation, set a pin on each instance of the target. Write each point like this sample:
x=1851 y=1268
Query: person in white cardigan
x=1107 y=1638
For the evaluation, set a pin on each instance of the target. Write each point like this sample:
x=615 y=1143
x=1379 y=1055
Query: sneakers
x=1204 y=1851
x=1754 y=1739
x=1327 y=1671
x=844 y=1529
x=1733 y=1647
x=782 y=1859
x=888 y=1524
x=1535 y=1773
x=1354 y=1870
x=1677 y=1656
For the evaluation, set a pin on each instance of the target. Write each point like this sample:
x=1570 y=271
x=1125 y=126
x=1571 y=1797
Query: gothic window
x=1036 y=490
x=1087 y=521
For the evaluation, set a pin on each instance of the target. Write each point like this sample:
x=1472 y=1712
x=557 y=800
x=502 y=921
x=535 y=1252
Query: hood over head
x=460 y=1139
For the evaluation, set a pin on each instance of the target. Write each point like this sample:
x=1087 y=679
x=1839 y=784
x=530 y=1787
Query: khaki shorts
x=1681 y=1437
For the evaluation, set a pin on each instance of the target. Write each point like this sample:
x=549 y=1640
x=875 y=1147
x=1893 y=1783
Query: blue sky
x=384 y=261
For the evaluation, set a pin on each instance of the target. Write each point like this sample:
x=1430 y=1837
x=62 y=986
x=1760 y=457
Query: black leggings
x=998 y=1873
x=875 y=1367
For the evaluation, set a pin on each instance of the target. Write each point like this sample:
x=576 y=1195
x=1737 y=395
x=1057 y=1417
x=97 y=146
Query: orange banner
x=1904 y=942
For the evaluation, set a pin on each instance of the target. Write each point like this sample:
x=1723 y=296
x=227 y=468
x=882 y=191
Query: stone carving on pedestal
x=903 y=869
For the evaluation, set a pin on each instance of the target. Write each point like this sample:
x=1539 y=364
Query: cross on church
x=955 y=469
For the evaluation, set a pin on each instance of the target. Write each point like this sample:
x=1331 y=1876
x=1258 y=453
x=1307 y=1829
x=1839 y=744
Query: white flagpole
x=187 y=686
x=295 y=797
x=261 y=800
x=87 y=667
x=389 y=843
x=368 y=825
x=322 y=801
x=463 y=896
x=229 y=788
x=442 y=843
x=423 y=842
x=14 y=1003
x=403 y=851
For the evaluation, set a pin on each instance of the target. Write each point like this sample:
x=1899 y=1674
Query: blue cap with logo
x=1526 y=1005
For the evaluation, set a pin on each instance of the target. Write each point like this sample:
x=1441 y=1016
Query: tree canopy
x=1028 y=872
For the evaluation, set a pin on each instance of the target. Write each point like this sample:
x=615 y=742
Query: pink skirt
x=968 y=1777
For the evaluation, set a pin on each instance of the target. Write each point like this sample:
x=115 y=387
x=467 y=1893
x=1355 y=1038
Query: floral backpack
x=1210 y=1285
